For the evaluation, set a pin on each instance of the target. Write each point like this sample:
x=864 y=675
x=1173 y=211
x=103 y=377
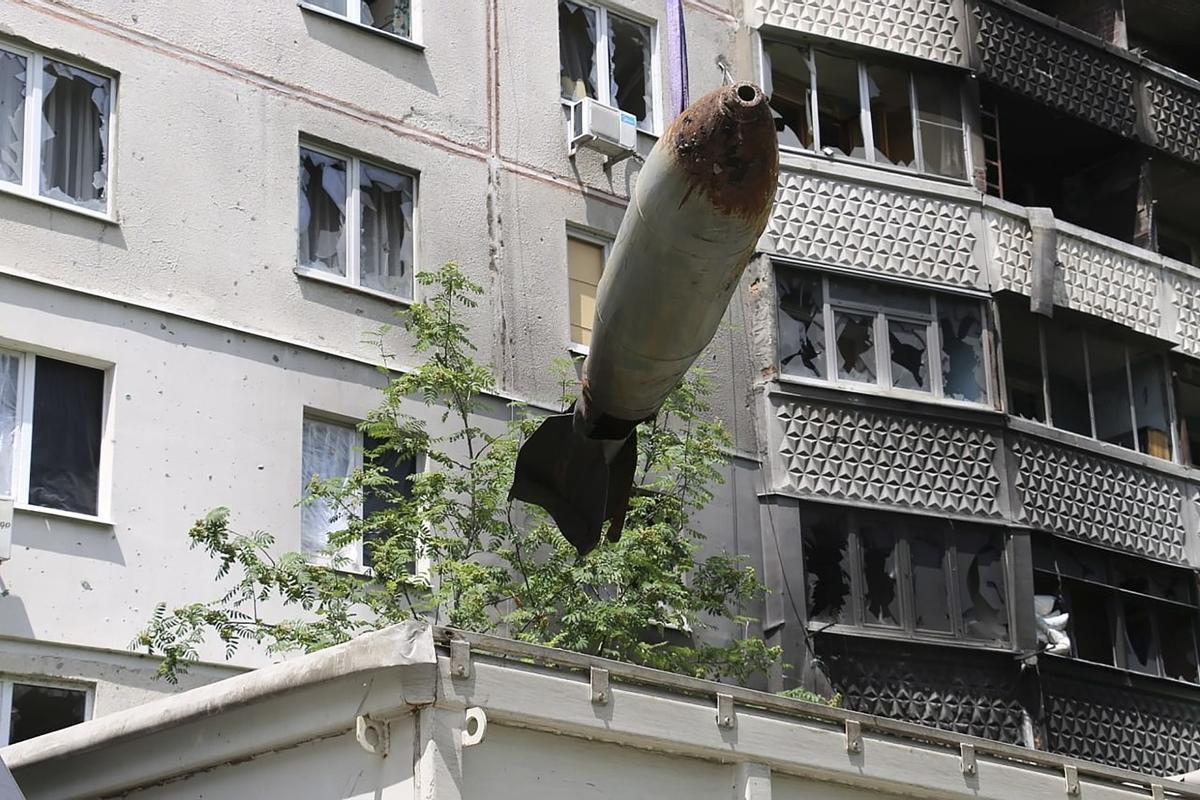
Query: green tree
x=488 y=566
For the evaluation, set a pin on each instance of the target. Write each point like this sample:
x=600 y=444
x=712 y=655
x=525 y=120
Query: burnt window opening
x=1123 y=611
x=1088 y=378
x=1187 y=408
x=607 y=57
x=1175 y=214
x=881 y=111
x=912 y=576
x=869 y=333
x=33 y=710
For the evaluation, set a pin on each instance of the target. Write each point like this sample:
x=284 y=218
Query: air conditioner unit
x=602 y=128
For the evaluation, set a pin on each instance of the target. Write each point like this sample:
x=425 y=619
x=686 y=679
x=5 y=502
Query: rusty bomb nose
x=726 y=142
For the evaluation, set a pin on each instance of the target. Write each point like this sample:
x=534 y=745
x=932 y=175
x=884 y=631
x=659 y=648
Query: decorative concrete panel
x=880 y=458
x=929 y=29
x=1056 y=69
x=1176 y=116
x=1107 y=283
x=1099 y=500
x=1011 y=248
x=833 y=222
x=968 y=693
x=1187 y=305
x=1122 y=727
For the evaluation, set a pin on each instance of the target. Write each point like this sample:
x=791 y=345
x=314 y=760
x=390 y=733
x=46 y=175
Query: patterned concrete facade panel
x=1081 y=79
x=827 y=221
x=887 y=459
x=1176 y=117
x=930 y=29
x=1011 y=243
x=1107 y=283
x=1099 y=500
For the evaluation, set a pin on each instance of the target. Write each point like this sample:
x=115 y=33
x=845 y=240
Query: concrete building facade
x=960 y=375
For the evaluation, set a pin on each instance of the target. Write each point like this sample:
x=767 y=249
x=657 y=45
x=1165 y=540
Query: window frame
x=654 y=126
x=353 y=16
x=31 y=153
x=23 y=444
x=1086 y=333
x=883 y=362
x=903 y=527
x=866 y=126
x=606 y=244
x=355 y=561
x=6 y=697
x=353 y=223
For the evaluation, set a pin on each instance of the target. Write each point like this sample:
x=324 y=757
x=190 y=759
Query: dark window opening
x=881 y=596
x=68 y=412
x=931 y=597
x=827 y=567
x=838 y=118
x=801 y=323
x=393 y=16
x=791 y=94
x=1187 y=408
x=37 y=710
x=396 y=467
x=576 y=50
x=629 y=43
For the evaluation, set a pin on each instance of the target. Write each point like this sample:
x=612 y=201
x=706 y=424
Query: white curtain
x=328 y=452
x=385 y=200
x=12 y=115
x=322 y=227
x=9 y=370
x=75 y=110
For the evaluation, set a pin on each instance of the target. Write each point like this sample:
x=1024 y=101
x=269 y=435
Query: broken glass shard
x=386 y=246
x=930 y=588
x=12 y=116
x=577 y=50
x=322 y=223
x=908 y=346
x=881 y=596
x=629 y=54
x=75 y=110
x=981 y=591
x=801 y=324
x=856 y=346
x=827 y=568
x=960 y=323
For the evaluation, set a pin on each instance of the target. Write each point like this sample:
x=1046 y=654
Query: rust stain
x=726 y=142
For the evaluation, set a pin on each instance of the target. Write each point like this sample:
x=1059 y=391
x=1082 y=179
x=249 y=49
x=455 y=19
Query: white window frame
x=353 y=223
x=353 y=16
x=31 y=155
x=6 y=697
x=884 y=383
x=23 y=446
x=352 y=552
x=592 y=238
x=864 y=115
x=604 y=65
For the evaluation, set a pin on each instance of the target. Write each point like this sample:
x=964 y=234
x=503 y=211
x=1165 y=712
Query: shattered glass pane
x=981 y=591
x=856 y=346
x=629 y=54
x=801 y=324
x=907 y=344
x=576 y=50
x=68 y=408
x=838 y=105
x=75 y=112
x=891 y=115
x=12 y=116
x=9 y=371
x=1110 y=391
x=827 y=567
x=881 y=595
x=1177 y=633
x=393 y=16
x=1150 y=403
x=386 y=246
x=1141 y=651
x=322 y=224
x=960 y=323
x=927 y=551
x=791 y=93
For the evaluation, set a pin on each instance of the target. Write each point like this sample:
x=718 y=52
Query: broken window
x=32 y=710
x=356 y=221
x=1124 y=611
x=882 y=334
x=1187 y=405
x=585 y=265
x=904 y=572
x=13 y=71
x=60 y=407
x=390 y=16
x=981 y=592
x=607 y=57
x=877 y=111
x=827 y=567
x=1108 y=388
x=73 y=126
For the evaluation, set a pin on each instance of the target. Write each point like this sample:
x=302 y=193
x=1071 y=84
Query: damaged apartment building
x=962 y=374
